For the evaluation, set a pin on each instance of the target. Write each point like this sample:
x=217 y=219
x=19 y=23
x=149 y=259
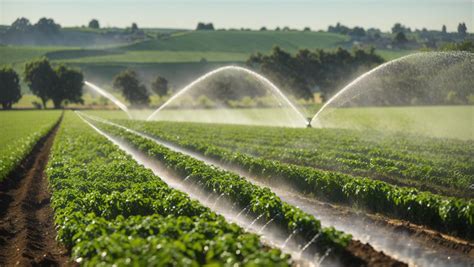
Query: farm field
x=433 y=121
x=274 y=155
x=236 y=134
x=379 y=157
x=153 y=56
x=137 y=220
x=225 y=143
x=20 y=132
x=113 y=200
x=241 y=41
x=332 y=185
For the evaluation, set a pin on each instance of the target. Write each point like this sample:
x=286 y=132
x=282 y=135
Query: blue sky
x=317 y=14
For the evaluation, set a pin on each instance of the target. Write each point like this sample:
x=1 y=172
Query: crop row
x=111 y=210
x=334 y=150
x=20 y=132
x=452 y=215
x=433 y=178
x=259 y=201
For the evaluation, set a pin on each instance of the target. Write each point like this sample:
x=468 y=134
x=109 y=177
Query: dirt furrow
x=27 y=233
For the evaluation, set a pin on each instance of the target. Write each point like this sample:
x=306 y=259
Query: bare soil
x=27 y=232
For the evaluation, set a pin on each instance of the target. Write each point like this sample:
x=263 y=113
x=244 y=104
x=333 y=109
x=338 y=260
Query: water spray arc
x=355 y=81
x=273 y=87
x=109 y=96
x=429 y=63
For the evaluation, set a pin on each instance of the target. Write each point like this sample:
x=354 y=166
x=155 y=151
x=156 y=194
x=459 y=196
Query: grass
x=394 y=54
x=16 y=125
x=156 y=56
x=20 y=132
x=182 y=47
x=19 y=54
x=241 y=41
x=434 y=121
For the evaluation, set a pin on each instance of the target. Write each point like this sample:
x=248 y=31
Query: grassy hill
x=190 y=46
x=178 y=55
x=241 y=41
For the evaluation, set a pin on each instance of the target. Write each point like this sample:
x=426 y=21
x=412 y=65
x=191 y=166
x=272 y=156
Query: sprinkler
x=308 y=124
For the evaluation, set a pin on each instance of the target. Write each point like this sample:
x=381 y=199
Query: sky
x=316 y=14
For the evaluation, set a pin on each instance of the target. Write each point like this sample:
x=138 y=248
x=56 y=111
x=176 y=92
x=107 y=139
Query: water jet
x=110 y=97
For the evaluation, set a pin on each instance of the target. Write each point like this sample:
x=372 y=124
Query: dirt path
x=27 y=233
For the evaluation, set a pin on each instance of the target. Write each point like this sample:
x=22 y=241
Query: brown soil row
x=27 y=233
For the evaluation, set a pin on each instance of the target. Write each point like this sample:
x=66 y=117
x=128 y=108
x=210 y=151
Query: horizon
x=318 y=15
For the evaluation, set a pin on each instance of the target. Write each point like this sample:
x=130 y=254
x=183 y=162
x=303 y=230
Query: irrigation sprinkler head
x=308 y=123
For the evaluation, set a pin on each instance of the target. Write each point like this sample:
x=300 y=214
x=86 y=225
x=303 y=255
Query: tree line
x=63 y=85
x=128 y=83
x=46 y=31
x=60 y=84
x=308 y=71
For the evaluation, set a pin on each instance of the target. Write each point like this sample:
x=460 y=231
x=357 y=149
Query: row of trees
x=205 y=26
x=128 y=83
x=59 y=84
x=396 y=28
x=49 y=26
x=47 y=32
x=64 y=85
x=308 y=71
x=94 y=24
x=43 y=26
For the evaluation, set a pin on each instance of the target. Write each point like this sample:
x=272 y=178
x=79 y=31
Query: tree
x=21 y=25
x=160 y=86
x=127 y=82
x=462 y=29
x=10 y=91
x=203 y=26
x=68 y=86
x=94 y=24
x=40 y=78
x=397 y=27
x=443 y=29
x=310 y=71
x=339 y=28
x=263 y=29
x=400 y=38
x=357 y=32
x=47 y=26
x=307 y=29
x=134 y=27
x=59 y=84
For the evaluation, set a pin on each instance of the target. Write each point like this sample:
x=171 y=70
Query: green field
x=242 y=41
x=154 y=56
x=180 y=57
x=117 y=207
x=109 y=209
x=417 y=178
x=20 y=132
x=19 y=54
x=194 y=45
x=436 y=121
